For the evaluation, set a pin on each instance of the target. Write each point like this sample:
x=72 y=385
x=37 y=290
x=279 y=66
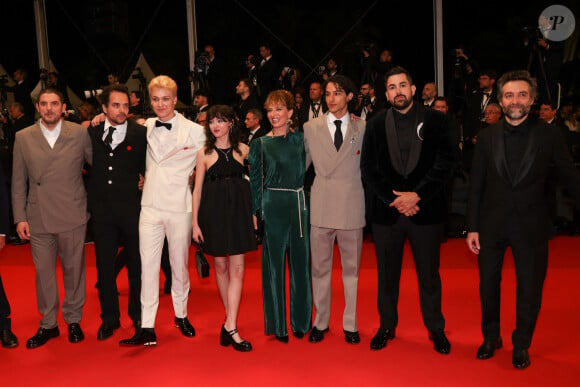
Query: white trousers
x=154 y=226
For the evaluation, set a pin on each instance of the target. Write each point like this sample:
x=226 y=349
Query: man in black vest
x=508 y=206
x=119 y=147
x=406 y=162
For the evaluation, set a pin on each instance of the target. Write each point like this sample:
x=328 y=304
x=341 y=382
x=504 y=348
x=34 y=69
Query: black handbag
x=201 y=262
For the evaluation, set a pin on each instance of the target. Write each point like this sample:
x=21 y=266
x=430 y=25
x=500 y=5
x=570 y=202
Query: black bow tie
x=166 y=124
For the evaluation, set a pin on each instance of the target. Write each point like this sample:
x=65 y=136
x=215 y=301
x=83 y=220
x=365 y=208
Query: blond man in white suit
x=172 y=144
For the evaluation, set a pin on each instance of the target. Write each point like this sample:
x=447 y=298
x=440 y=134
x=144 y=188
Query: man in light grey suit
x=333 y=142
x=50 y=209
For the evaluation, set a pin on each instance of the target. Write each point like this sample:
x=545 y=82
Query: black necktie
x=109 y=137
x=166 y=124
x=338 y=135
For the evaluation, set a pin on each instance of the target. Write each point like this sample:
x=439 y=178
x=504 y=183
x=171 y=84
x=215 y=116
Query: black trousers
x=111 y=231
x=425 y=241
x=531 y=264
x=4 y=308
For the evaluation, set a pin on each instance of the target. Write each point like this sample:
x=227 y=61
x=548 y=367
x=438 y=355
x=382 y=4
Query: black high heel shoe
x=226 y=338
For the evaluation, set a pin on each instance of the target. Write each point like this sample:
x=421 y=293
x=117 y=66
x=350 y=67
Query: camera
x=93 y=93
x=320 y=70
x=201 y=61
x=138 y=74
x=531 y=35
x=365 y=100
x=3 y=79
x=289 y=71
x=252 y=60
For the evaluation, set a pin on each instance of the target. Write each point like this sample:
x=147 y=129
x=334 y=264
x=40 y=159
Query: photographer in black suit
x=508 y=206
x=114 y=200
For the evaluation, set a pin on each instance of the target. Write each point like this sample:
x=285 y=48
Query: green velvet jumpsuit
x=280 y=199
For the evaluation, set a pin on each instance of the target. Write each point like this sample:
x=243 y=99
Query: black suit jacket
x=304 y=112
x=495 y=196
x=216 y=78
x=114 y=174
x=427 y=172
x=259 y=133
x=267 y=77
x=472 y=112
x=10 y=129
x=22 y=94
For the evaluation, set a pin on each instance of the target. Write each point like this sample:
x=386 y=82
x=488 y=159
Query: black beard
x=402 y=106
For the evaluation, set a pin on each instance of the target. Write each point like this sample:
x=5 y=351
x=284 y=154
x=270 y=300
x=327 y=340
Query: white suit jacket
x=167 y=176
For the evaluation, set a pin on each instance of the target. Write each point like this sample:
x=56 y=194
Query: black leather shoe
x=226 y=338
x=521 y=358
x=381 y=338
x=75 y=333
x=106 y=330
x=488 y=347
x=440 y=342
x=8 y=338
x=143 y=336
x=298 y=335
x=185 y=326
x=282 y=339
x=351 y=337
x=41 y=337
x=317 y=335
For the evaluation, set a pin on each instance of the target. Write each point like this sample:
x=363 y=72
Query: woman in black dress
x=222 y=213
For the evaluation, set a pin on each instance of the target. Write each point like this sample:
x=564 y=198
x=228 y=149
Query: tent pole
x=191 y=39
x=41 y=34
x=438 y=45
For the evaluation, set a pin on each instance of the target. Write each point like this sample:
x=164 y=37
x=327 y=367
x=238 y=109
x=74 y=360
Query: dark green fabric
x=286 y=230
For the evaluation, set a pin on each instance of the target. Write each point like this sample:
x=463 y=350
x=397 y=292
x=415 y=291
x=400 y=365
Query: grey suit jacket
x=47 y=183
x=337 y=196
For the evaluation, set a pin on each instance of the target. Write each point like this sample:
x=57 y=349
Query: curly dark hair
x=228 y=114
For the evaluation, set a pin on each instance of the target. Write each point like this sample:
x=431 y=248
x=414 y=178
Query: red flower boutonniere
x=358 y=152
x=129 y=148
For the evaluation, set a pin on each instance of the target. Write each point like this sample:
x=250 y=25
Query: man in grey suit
x=337 y=207
x=50 y=210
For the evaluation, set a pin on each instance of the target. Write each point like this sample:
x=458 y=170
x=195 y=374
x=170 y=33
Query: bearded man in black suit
x=406 y=162
x=508 y=206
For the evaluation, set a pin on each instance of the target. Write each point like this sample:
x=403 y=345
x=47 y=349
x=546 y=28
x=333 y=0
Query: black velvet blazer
x=427 y=172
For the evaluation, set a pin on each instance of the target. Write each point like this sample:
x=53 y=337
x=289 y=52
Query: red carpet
x=409 y=360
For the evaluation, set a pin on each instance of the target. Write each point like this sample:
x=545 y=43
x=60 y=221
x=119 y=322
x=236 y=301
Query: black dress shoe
x=226 y=339
x=351 y=337
x=381 y=338
x=488 y=347
x=521 y=358
x=75 y=333
x=282 y=339
x=185 y=326
x=41 y=337
x=440 y=342
x=8 y=338
x=15 y=240
x=143 y=336
x=298 y=335
x=106 y=330
x=317 y=335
